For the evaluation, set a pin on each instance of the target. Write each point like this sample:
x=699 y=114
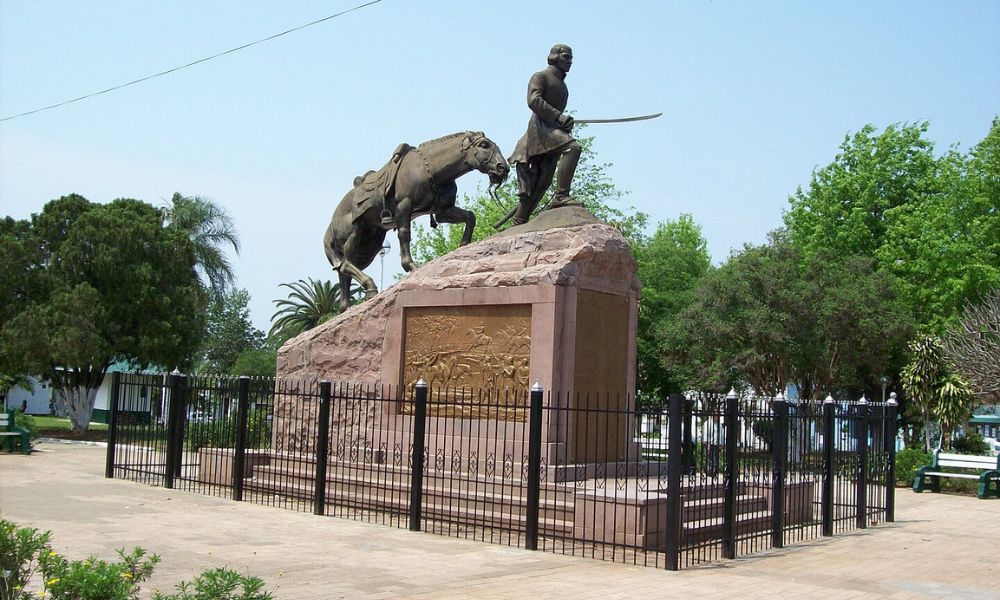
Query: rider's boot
x=523 y=212
x=564 y=176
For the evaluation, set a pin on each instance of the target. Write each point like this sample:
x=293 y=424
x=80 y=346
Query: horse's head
x=483 y=155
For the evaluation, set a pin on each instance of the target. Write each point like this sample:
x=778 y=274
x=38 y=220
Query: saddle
x=375 y=188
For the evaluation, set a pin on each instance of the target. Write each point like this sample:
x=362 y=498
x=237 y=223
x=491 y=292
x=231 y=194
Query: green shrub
x=219 y=584
x=222 y=433
x=25 y=553
x=93 y=579
x=28 y=422
x=971 y=443
x=908 y=460
x=19 y=551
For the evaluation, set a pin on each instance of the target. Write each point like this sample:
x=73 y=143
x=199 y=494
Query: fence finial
x=892 y=399
x=421 y=383
x=780 y=397
x=829 y=399
x=537 y=387
x=863 y=400
x=732 y=395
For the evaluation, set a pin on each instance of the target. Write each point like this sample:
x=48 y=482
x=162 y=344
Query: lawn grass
x=47 y=423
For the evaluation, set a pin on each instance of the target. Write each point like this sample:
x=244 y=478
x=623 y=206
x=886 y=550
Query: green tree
x=591 y=185
x=210 y=229
x=844 y=209
x=229 y=332
x=670 y=264
x=309 y=303
x=931 y=221
x=935 y=391
x=770 y=317
x=945 y=250
x=111 y=284
x=261 y=362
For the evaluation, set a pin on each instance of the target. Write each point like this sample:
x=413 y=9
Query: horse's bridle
x=493 y=152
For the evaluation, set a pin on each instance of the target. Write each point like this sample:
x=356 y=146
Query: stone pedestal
x=552 y=301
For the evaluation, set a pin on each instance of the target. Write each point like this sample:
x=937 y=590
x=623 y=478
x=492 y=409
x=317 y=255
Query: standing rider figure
x=548 y=140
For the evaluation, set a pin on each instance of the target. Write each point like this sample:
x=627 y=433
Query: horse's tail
x=332 y=255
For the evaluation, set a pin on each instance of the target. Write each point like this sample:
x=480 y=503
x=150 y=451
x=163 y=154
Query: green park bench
x=10 y=433
x=929 y=477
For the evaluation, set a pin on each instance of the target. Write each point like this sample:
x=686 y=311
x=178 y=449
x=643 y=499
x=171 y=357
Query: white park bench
x=929 y=477
x=9 y=433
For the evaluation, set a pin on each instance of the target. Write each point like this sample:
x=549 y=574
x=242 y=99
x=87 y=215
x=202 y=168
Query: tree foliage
x=107 y=283
x=591 y=185
x=934 y=390
x=309 y=303
x=931 y=221
x=770 y=317
x=261 y=362
x=229 y=332
x=670 y=264
x=973 y=345
x=210 y=229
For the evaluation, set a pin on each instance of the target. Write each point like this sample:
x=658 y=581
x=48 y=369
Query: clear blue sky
x=755 y=95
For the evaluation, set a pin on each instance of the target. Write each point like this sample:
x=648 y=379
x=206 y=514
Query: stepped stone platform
x=630 y=511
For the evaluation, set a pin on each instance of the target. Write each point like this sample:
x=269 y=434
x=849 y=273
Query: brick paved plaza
x=941 y=546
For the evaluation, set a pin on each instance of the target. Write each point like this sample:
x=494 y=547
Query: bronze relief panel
x=479 y=354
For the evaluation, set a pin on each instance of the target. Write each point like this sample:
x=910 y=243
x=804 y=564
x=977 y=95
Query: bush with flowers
x=31 y=570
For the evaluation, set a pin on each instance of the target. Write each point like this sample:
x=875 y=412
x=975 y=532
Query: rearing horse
x=420 y=181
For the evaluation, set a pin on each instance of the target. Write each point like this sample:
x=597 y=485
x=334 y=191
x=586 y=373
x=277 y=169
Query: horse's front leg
x=404 y=215
x=454 y=214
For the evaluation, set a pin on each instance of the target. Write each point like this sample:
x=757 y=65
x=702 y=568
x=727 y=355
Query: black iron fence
x=709 y=478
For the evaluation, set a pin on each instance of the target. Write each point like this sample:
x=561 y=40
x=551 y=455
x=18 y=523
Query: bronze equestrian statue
x=416 y=181
x=548 y=140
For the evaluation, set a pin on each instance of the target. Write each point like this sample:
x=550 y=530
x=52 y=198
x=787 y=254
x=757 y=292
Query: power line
x=191 y=64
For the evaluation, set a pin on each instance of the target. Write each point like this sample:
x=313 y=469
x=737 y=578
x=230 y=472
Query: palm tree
x=210 y=229
x=309 y=304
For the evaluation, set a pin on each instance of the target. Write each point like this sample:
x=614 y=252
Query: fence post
x=829 y=431
x=779 y=449
x=861 y=501
x=175 y=415
x=417 y=458
x=730 y=477
x=534 y=468
x=322 y=448
x=109 y=467
x=890 y=448
x=674 y=467
x=687 y=445
x=240 y=451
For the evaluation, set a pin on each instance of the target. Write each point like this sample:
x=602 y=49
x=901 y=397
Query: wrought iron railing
x=710 y=478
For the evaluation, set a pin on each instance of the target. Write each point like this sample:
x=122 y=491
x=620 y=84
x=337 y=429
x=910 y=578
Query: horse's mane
x=446 y=138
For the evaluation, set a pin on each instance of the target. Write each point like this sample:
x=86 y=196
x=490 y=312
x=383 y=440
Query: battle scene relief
x=476 y=357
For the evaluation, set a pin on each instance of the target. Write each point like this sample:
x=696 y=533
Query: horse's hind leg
x=345 y=288
x=348 y=268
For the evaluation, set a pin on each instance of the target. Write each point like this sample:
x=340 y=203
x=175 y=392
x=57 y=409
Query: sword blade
x=621 y=120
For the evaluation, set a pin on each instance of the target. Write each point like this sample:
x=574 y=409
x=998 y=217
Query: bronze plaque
x=475 y=358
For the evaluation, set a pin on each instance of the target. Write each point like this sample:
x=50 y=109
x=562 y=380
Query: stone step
x=338 y=474
x=507 y=498
x=697 y=509
x=707 y=529
x=467 y=512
